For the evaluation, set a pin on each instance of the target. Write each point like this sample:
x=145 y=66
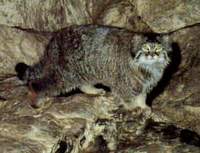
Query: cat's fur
x=82 y=56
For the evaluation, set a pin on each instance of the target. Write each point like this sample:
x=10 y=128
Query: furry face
x=152 y=57
x=152 y=53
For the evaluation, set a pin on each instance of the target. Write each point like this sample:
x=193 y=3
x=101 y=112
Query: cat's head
x=152 y=53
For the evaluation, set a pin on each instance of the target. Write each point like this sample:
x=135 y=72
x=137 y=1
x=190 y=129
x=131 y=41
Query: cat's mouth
x=151 y=57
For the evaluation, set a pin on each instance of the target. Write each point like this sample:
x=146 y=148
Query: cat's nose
x=152 y=53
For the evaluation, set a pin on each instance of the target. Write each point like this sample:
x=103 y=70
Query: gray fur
x=92 y=54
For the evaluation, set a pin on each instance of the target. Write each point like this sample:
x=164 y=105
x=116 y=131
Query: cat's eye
x=158 y=48
x=146 y=48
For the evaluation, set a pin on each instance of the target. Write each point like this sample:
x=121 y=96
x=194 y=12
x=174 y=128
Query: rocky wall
x=62 y=123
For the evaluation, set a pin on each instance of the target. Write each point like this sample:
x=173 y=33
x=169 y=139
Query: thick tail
x=21 y=69
x=11 y=86
x=28 y=73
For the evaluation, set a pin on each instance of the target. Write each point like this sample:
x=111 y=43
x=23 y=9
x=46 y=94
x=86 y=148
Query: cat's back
x=92 y=37
x=90 y=45
x=89 y=52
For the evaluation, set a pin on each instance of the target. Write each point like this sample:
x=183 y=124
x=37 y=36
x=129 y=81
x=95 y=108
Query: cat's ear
x=166 y=41
x=137 y=41
x=163 y=38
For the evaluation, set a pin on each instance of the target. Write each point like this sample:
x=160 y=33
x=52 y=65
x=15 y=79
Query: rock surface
x=24 y=129
x=19 y=46
x=180 y=100
x=56 y=14
x=166 y=16
x=98 y=123
x=43 y=15
x=140 y=15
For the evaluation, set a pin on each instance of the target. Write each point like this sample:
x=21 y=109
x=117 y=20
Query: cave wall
x=27 y=26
